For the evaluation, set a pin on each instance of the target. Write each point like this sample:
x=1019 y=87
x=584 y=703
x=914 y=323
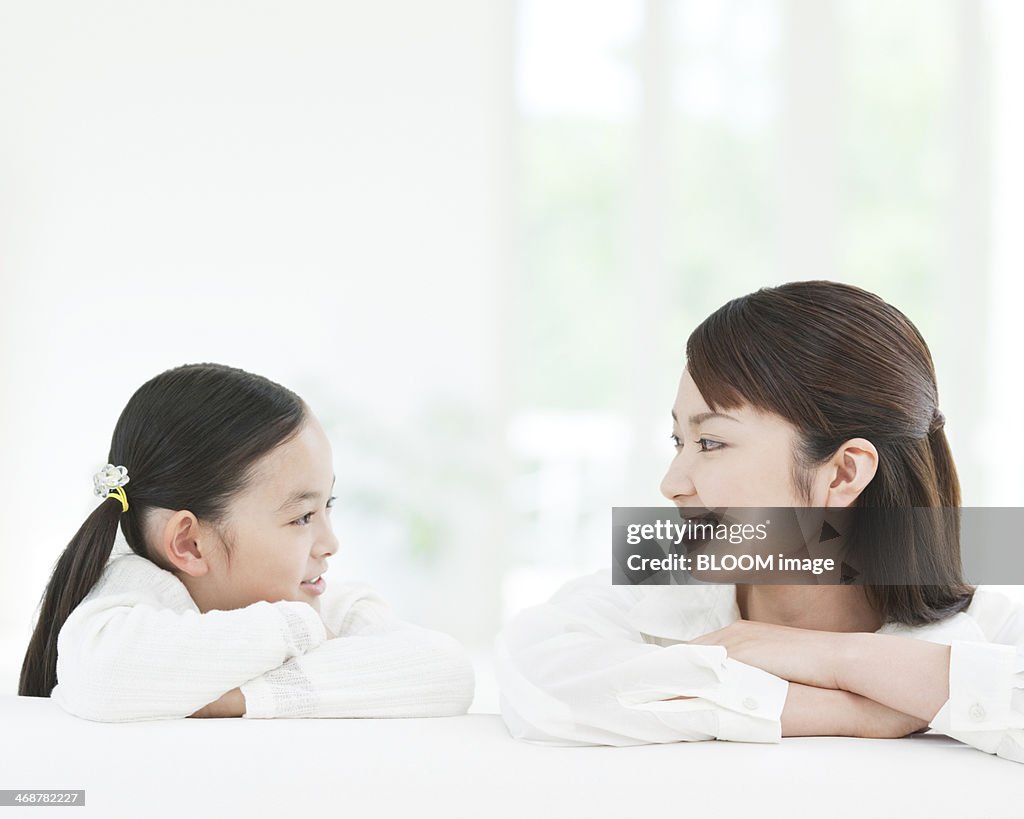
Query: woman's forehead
x=692 y=408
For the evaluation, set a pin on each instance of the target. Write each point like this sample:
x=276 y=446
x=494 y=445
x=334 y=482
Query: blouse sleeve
x=573 y=671
x=378 y=666
x=122 y=660
x=986 y=685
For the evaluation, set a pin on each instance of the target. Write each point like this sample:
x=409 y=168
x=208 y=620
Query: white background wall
x=349 y=198
x=308 y=190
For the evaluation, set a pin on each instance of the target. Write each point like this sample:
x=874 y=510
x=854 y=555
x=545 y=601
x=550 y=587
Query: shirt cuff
x=747 y=701
x=752 y=705
x=982 y=679
x=303 y=628
x=283 y=692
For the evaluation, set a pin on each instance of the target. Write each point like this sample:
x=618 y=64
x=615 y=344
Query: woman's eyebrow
x=701 y=417
x=298 y=497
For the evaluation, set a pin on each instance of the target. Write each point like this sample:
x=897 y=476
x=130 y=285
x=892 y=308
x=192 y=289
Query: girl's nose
x=327 y=543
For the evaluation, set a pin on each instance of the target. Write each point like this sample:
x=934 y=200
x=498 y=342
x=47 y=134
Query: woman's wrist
x=904 y=673
x=811 y=711
x=849 y=652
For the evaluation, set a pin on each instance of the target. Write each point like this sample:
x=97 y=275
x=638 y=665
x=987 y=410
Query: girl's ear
x=180 y=544
x=850 y=470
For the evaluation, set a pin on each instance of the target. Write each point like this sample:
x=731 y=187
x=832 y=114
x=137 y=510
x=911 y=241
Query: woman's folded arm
x=986 y=698
x=574 y=671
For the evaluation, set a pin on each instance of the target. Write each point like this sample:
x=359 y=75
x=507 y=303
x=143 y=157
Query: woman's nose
x=677 y=482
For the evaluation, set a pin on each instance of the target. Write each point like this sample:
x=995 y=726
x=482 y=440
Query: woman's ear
x=850 y=470
x=180 y=544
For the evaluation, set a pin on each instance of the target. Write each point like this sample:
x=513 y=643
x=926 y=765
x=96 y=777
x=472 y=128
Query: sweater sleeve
x=378 y=666
x=573 y=671
x=985 y=708
x=122 y=660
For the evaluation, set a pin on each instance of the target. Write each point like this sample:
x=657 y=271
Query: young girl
x=221 y=482
x=813 y=394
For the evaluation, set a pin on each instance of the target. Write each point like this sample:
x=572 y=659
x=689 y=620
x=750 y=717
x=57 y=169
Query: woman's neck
x=822 y=608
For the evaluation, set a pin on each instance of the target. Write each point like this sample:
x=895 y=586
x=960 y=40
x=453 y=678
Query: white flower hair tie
x=109 y=481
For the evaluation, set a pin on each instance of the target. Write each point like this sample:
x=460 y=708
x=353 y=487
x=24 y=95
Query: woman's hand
x=230 y=704
x=813 y=711
x=799 y=655
x=906 y=674
x=827 y=712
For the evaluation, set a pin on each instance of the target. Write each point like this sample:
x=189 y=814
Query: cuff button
x=750 y=704
x=976 y=712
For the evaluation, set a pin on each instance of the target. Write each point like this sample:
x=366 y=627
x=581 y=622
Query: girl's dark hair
x=190 y=439
x=838 y=362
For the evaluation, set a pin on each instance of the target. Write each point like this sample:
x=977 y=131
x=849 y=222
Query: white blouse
x=595 y=664
x=138 y=648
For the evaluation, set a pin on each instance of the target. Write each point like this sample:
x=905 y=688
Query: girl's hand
x=799 y=655
x=330 y=634
x=230 y=704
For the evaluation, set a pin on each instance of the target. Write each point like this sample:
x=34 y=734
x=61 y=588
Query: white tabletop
x=470 y=767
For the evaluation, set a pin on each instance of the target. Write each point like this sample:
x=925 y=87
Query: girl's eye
x=707 y=445
x=305 y=519
x=676 y=440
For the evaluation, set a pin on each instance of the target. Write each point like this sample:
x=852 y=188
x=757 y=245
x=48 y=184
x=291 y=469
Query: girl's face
x=737 y=458
x=278 y=533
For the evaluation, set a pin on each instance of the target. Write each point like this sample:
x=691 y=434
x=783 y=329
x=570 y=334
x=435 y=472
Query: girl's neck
x=822 y=608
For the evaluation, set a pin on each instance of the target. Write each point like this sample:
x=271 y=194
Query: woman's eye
x=707 y=445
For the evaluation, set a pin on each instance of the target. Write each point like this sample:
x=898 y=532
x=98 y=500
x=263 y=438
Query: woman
x=812 y=394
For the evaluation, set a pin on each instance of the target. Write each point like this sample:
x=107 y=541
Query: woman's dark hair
x=838 y=363
x=190 y=439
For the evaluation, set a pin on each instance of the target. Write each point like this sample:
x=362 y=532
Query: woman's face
x=739 y=458
x=278 y=531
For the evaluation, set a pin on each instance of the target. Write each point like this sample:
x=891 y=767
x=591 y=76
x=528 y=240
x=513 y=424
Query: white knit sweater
x=139 y=648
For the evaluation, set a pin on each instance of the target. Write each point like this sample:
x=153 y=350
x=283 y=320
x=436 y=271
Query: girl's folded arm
x=378 y=666
x=121 y=660
x=574 y=671
x=409 y=672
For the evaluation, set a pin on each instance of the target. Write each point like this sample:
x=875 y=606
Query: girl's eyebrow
x=298 y=497
x=701 y=417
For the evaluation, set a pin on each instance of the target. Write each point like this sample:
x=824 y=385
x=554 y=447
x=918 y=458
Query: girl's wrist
x=230 y=704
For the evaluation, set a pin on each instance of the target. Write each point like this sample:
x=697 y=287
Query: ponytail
x=933 y=485
x=76 y=572
x=945 y=470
